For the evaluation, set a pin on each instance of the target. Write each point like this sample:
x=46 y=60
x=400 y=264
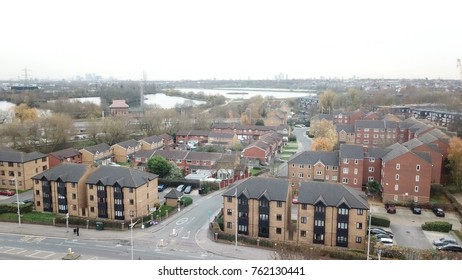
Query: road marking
x=181 y=221
x=186 y=236
x=38 y=239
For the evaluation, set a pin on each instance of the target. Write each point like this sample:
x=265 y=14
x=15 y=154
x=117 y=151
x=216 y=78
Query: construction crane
x=459 y=65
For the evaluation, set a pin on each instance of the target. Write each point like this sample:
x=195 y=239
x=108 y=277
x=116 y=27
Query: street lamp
x=369 y=234
x=132 y=214
x=17 y=199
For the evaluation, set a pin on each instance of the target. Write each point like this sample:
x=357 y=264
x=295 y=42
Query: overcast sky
x=239 y=39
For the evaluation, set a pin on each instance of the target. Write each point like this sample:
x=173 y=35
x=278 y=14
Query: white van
x=386 y=241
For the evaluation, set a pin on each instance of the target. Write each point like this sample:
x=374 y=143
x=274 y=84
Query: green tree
x=259 y=122
x=373 y=187
x=160 y=166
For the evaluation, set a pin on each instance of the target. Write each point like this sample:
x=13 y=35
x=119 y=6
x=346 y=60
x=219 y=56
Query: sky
x=239 y=39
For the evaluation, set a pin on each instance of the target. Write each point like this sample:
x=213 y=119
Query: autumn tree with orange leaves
x=455 y=159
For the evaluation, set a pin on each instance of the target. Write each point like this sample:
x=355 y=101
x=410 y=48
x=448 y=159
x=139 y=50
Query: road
x=304 y=144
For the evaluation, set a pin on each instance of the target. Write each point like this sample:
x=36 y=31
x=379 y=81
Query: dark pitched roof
x=376 y=152
x=171 y=154
x=173 y=194
x=425 y=155
x=66 y=153
x=145 y=153
x=394 y=153
x=126 y=177
x=331 y=194
x=100 y=148
x=203 y=156
x=129 y=143
x=67 y=172
x=17 y=156
x=311 y=157
x=348 y=128
x=348 y=151
x=152 y=139
x=375 y=124
x=274 y=189
x=221 y=135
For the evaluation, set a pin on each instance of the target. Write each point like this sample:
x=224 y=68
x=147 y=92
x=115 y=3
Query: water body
x=168 y=102
x=246 y=93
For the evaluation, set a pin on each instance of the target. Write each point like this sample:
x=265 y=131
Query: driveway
x=407 y=230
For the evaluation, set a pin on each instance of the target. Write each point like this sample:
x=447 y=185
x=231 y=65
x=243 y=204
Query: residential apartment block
x=331 y=214
x=124 y=151
x=105 y=192
x=99 y=154
x=17 y=168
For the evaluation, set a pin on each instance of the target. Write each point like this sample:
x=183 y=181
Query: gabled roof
x=376 y=152
x=375 y=124
x=396 y=152
x=127 y=144
x=173 y=194
x=118 y=104
x=221 y=135
x=332 y=195
x=124 y=176
x=425 y=155
x=348 y=151
x=171 y=154
x=274 y=189
x=99 y=148
x=348 y=128
x=67 y=172
x=201 y=156
x=7 y=155
x=152 y=139
x=312 y=157
x=66 y=153
x=145 y=153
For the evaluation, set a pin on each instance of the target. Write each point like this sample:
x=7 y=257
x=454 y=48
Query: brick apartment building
x=351 y=165
x=62 y=156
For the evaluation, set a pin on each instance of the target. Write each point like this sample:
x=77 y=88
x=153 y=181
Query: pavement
x=203 y=238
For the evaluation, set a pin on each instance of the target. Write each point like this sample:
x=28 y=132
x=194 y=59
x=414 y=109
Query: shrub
x=437 y=226
x=185 y=201
x=380 y=221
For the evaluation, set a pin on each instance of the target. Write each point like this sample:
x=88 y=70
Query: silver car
x=443 y=241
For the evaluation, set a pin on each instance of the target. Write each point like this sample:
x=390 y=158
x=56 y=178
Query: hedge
x=437 y=226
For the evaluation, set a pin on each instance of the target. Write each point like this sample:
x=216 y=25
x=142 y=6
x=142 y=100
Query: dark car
x=438 y=212
x=391 y=208
x=7 y=192
x=376 y=230
x=416 y=209
x=450 y=247
x=188 y=189
x=160 y=188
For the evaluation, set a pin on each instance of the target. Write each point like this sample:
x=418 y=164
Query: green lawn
x=31 y=217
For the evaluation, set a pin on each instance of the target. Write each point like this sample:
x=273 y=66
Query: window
x=318 y=223
x=303 y=233
x=398 y=166
x=345 y=161
x=358 y=239
x=301 y=166
x=318 y=172
x=130 y=190
x=229 y=211
x=355 y=181
x=416 y=189
x=371 y=169
x=263 y=203
x=342 y=211
x=37 y=192
x=417 y=178
x=334 y=178
x=229 y=199
x=74 y=196
x=318 y=236
x=335 y=168
x=278 y=230
x=359 y=211
x=229 y=225
x=19 y=173
x=396 y=187
x=264 y=217
x=319 y=209
x=345 y=170
x=341 y=239
x=131 y=202
x=356 y=161
x=278 y=217
x=345 y=180
x=118 y=213
x=92 y=209
x=342 y=225
x=370 y=179
x=359 y=225
x=355 y=171
x=371 y=159
x=293 y=174
x=300 y=175
x=417 y=167
x=74 y=207
x=279 y=204
x=397 y=177
x=303 y=220
x=304 y=206
x=92 y=198
x=11 y=173
x=242 y=215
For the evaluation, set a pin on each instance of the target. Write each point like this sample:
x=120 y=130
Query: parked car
x=160 y=188
x=386 y=241
x=18 y=202
x=7 y=192
x=377 y=230
x=28 y=201
x=416 y=209
x=383 y=235
x=180 y=188
x=188 y=189
x=278 y=160
x=438 y=212
x=391 y=208
x=450 y=247
x=443 y=241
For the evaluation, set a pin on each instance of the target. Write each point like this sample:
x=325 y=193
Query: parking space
x=407 y=229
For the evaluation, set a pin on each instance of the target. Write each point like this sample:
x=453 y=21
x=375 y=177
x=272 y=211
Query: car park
x=443 y=241
x=386 y=241
x=188 y=190
x=7 y=192
x=391 y=208
x=180 y=188
x=438 y=212
x=383 y=235
x=450 y=247
x=415 y=208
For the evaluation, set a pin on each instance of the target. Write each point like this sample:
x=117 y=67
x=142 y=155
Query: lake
x=246 y=93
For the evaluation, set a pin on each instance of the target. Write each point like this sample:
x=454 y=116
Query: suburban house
x=248 y=133
x=263 y=150
x=124 y=151
x=275 y=118
x=331 y=214
x=169 y=141
x=313 y=166
x=17 y=168
x=105 y=192
x=198 y=136
x=100 y=154
x=227 y=140
x=347 y=117
x=261 y=207
x=201 y=162
x=152 y=142
x=118 y=108
x=66 y=155
x=346 y=133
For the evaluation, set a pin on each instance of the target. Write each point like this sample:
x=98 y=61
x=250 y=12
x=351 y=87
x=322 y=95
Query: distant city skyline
x=205 y=39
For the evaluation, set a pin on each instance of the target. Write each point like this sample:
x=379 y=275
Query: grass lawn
x=31 y=217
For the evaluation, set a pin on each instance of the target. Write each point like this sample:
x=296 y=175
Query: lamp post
x=369 y=234
x=17 y=200
x=131 y=229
